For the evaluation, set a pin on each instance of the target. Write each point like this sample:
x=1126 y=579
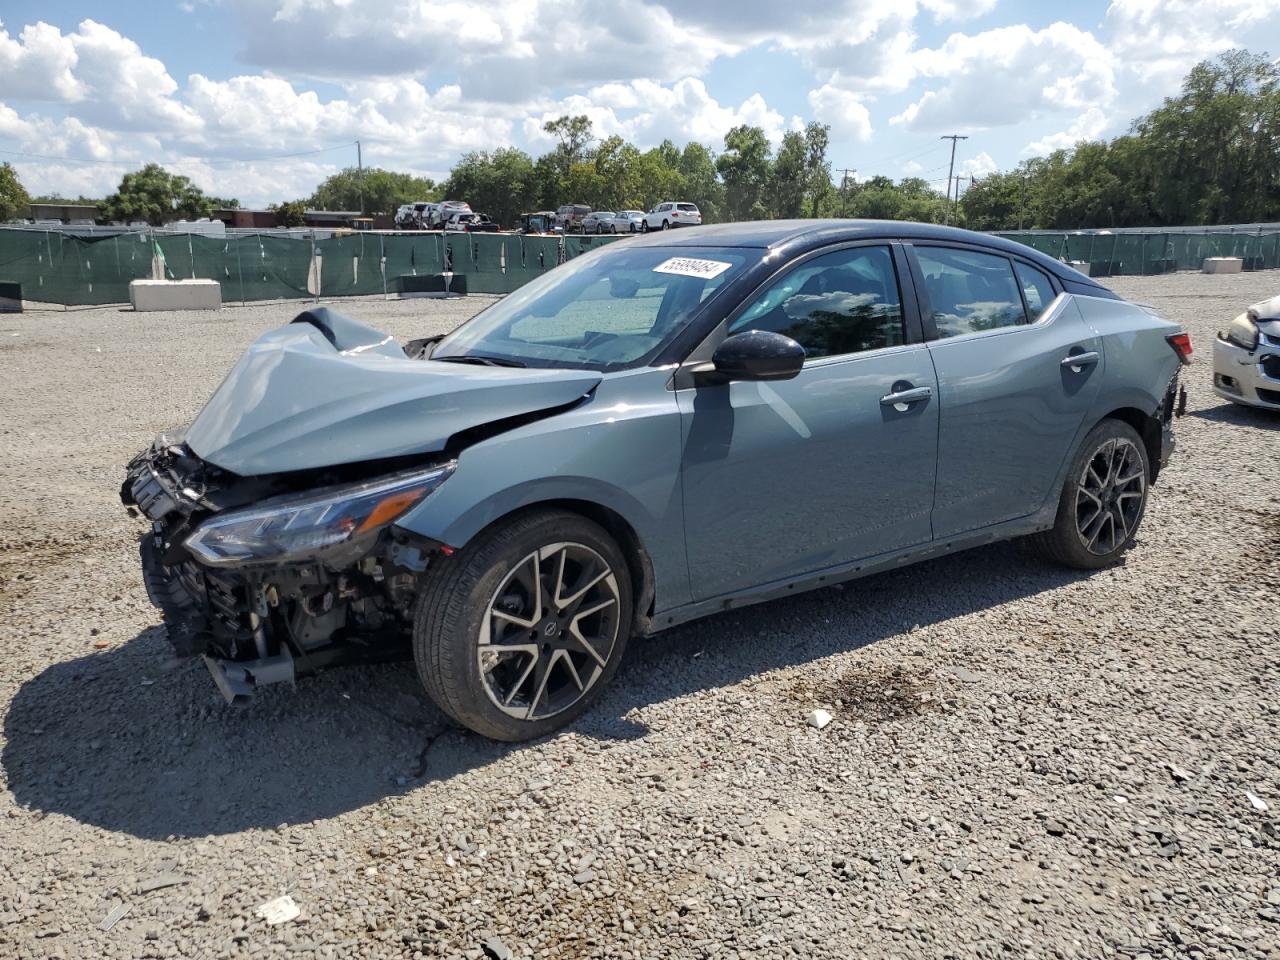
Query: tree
x=157 y=196
x=502 y=184
x=697 y=167
x=13 y=196
x=817 y=168
x=382 y=191
x=291 y=213
x=574 y=133
x=745 y=167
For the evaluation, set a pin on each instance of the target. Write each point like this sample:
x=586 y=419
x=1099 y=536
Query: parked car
x=544 y=221
x=598 y=221
x=1246 y=357
x=627 y=221
x=414 y=216
x=569 y=217
x=653 y=432
x=472 y=223
x=441 y=212
x=671 y=214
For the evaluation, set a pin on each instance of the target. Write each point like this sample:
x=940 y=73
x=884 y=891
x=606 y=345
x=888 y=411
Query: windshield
x=606 y=310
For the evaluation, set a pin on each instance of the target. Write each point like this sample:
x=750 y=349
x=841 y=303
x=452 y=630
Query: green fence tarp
x=54 y=267
x=62 y=268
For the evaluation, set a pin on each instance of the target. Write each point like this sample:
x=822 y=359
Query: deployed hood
x=327 y=390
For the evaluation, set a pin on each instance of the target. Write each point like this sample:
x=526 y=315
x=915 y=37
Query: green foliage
x=745 y=168
x=291 y=213
x=382 y=191
x=13 y=196
x=1210 y=155
x=502 y=183
x=157 y=196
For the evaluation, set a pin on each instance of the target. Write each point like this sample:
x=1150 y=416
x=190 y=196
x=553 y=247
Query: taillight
x=1181 y=343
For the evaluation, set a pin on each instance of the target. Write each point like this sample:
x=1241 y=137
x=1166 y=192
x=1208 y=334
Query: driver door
x=790 y=477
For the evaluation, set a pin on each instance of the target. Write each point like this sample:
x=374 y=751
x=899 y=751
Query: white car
x=627 y=221
x=443 y=212
x=1246 y=357
x=413 y=216
x=671 y=214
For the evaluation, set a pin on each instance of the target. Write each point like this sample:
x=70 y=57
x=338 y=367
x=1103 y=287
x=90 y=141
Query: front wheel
x=516 y=634
x=644 y=226
x=1103 y=500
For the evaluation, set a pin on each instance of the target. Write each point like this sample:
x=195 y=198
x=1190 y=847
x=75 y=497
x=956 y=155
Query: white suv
x=671 y=214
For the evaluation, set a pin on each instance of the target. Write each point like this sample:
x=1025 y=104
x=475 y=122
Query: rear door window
x=969 y=292
x=1037 y=290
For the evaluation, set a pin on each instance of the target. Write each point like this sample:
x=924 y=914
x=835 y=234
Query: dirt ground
x=1024 y=762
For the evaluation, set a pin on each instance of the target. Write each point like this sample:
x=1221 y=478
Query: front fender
x=620 y=450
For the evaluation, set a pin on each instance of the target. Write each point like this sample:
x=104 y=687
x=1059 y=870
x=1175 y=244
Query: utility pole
x=953 y=137
x=360 y=175
x=844 y=180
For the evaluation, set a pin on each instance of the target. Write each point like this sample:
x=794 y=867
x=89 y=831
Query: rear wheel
x=644 y=226
x=666 y=224
x=1103 y=500
x=516 y=634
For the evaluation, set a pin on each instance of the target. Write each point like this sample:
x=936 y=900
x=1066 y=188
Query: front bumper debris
x=1249 y=377
x=262 y=625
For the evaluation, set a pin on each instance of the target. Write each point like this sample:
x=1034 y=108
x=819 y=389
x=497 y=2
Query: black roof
x=799 y=236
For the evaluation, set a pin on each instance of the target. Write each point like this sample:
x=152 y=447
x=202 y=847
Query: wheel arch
x=1147 y=426
x=639 y=563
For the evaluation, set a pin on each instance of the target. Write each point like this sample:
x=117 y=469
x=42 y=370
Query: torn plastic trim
x=239 y=680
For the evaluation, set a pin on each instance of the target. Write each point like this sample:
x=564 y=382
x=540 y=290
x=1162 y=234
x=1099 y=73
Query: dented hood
x=326 y=390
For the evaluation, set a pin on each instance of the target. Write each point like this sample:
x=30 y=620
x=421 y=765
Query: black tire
x=455 y=604
x=644 y=226
x=666 y=224
x=1119 y=520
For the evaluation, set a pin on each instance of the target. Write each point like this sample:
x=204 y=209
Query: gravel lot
x=1024 y=762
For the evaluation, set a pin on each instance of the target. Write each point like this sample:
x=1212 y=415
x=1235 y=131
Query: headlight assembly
x=1243 y=332
x=296 y=528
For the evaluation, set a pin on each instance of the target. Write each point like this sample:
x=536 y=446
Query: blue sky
x=230 y=92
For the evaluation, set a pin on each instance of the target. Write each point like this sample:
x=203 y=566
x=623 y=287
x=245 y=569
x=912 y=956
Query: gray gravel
x=1024 y=762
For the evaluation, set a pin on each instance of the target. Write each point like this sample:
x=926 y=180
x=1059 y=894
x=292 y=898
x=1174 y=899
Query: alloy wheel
x=1110 y=495
x=549 y=631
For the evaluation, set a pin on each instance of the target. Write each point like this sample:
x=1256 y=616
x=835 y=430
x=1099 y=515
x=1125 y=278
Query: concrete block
x=10 y=297
x=1081 y=265
x=146 y=295
x=1222 y=265
x=432 y=285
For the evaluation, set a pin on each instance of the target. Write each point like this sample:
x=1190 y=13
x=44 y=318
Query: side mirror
x=755 y=355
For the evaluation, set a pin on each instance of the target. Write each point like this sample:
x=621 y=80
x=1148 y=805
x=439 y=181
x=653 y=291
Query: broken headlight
x=1243 y=332
x=296 y=528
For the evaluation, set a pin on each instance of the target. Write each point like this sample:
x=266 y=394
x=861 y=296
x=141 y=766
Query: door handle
x=1077 y=360
x=900 y=398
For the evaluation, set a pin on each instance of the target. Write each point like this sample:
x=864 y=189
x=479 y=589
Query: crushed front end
x=269 y=577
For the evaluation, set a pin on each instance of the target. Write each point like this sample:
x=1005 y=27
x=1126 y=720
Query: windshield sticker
x=688 y=267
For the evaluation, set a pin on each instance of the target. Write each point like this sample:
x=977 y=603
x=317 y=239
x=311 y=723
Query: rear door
x=790 y=477
x=1018 y=369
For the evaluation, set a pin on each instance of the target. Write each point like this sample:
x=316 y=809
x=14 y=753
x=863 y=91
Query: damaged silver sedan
x=656 y=431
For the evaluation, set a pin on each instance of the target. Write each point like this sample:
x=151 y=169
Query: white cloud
x=1010 y=75
x=978 y=166
x=646 y=113
x=958 y=9
x=38 y=65
x=1088 y=126
x=1157 y=41
x=844 y=111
